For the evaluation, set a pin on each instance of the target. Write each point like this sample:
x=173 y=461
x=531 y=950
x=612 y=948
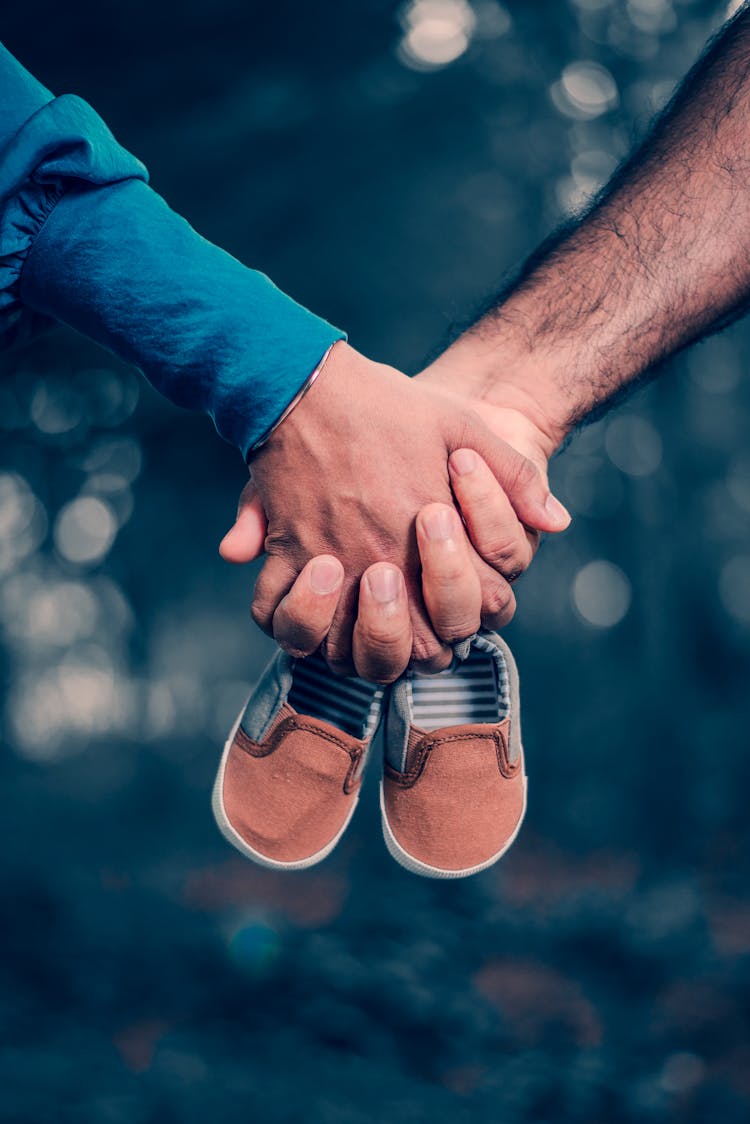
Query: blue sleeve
x=85 y=240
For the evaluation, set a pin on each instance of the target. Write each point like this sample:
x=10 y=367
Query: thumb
x=245 y=541
x=523 y=482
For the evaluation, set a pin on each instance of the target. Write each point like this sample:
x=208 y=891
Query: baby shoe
x=453 y=793
x=291 y=771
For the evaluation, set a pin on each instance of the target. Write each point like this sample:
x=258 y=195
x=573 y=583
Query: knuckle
x=499 y=620
x=427 y=650
x=448 y=573
x=522 y=475
x=381 y=648
x=508 y=556
x=452 y=632
x=381 y=638
x=478 y=502
x=380 y=653
x=497 y=600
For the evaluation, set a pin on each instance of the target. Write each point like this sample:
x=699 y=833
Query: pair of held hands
x=354 y=501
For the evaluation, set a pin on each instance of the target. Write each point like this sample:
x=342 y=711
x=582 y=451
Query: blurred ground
x=600 y=974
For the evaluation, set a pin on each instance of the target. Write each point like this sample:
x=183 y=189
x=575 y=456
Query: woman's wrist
x=306 y=386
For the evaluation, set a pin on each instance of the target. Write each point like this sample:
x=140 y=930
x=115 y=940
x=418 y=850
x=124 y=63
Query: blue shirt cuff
x=119 y=265
x=46 y=143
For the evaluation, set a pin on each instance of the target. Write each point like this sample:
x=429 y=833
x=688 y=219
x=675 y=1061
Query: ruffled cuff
x=23 y=218
x=64 y=142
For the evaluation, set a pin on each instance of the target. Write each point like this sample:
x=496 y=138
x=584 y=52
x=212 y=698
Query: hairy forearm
x=661 y=258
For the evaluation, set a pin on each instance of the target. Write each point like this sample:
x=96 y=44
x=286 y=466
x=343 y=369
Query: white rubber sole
x=232 y=836
x=416 y=866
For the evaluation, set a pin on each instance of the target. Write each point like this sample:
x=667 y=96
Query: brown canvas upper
x=290 y=794
x=460 y=800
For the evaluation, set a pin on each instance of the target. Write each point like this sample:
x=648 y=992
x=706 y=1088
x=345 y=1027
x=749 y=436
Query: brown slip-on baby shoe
x=291 y=771
x=453 y=794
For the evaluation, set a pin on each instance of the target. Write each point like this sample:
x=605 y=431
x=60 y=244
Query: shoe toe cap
x=461 y=810
x=289 y=804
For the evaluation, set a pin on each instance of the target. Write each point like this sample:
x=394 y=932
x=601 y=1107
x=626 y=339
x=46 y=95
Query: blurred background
x=387 y=165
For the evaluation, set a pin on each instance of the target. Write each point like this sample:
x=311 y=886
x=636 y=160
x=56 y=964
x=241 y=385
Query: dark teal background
x=600 y=973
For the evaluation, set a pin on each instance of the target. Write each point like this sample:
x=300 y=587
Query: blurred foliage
x=387 y=166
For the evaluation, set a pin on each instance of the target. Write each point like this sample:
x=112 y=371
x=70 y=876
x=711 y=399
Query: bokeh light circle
x=601 y=593
x=437 y=32
x=85 y=530
x=586 y=90
x=633 y=445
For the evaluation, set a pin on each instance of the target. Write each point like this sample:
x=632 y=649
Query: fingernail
x=556 y=511
x=384 y=585
x=325 y=576
x=464 y=461
x=440 y=525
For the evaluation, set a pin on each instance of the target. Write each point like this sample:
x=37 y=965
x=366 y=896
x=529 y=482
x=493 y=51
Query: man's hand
x=382 y=639
x=512 y=414
x=347 y=473
x=515 y=419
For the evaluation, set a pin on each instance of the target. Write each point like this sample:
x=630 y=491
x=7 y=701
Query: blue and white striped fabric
x=351 y=705
x=474 y=690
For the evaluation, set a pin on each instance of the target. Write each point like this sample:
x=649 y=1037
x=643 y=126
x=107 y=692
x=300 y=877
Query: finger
x=302 y=618
x=245 y=540
x=494 y=529
x=521 y=480
x=450 y=583
x=498 y=599
x=381 y=642
x=272 y=584
x=428 y=652
x=460 y=596
x=337 y=646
